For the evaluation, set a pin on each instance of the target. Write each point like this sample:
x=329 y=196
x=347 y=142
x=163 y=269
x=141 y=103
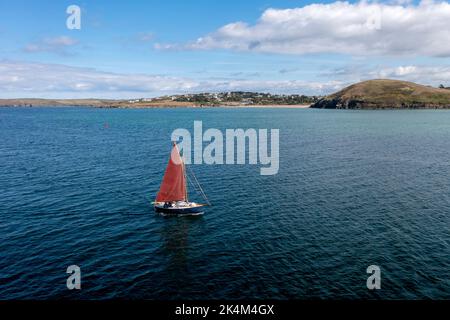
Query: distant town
x=237 y=98
x=230 y=98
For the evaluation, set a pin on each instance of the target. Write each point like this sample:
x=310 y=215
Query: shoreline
x=281 y=106
x=130 y=106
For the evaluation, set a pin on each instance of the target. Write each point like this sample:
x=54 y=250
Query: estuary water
x=354 y=189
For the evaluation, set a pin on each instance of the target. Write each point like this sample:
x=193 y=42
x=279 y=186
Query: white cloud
x=58 y=45
x=341 y=27
x=25 y=79
x=422 y=74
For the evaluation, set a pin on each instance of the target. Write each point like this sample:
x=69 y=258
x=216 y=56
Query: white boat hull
x=187 y=208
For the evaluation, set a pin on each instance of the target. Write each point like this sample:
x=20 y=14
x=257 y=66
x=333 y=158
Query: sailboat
x=172 y=197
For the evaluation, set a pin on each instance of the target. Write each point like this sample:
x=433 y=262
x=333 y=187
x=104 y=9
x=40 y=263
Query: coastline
x=121 y=105
x=281 y=106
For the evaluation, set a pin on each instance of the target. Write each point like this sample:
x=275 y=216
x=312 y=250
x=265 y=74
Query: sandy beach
x=284 y=106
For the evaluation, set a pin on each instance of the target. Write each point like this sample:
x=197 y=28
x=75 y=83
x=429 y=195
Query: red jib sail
x=173 y=186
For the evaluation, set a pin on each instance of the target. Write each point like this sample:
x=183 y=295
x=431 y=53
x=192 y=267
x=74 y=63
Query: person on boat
x=167 y=204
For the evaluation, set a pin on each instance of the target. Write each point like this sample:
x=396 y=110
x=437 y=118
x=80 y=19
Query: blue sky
x=151 y=48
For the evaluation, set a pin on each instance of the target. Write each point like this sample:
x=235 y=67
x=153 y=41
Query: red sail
x=173 y=186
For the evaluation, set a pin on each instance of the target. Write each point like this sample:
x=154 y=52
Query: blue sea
x=354 y=189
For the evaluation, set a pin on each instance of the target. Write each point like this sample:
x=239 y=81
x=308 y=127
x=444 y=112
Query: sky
x=135 y=49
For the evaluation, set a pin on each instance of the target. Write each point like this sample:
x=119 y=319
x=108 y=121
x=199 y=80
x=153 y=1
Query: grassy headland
x=386 y=94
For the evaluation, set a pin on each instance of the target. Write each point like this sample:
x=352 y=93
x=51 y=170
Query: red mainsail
x=173 y=186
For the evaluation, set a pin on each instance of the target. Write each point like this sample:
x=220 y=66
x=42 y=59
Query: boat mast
x=185 y=181
x=184 y=173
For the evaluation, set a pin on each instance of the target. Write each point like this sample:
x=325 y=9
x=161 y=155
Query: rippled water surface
x=355 y=188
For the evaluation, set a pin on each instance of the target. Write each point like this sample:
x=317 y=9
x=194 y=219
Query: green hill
x=386 y=94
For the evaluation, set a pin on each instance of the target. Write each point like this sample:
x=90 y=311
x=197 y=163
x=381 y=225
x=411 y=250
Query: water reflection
x=175 y=233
